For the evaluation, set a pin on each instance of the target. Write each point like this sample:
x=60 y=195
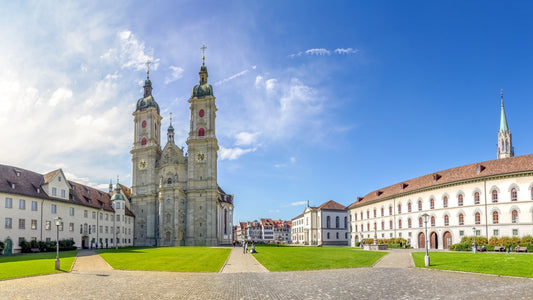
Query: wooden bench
x=499 y=248
x=35 y=250
x=521 y=249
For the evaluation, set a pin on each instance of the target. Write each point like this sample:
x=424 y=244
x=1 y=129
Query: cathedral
x=175 y=195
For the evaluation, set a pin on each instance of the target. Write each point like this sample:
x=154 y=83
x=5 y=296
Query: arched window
x=367 y=226
x=495 y=218
x=337 y=222
x=143 y=141
x=494 y=196
x=355 y=217
x=432 y=203
x=337 y=235
x=461 y=219
x=409 y=207
x=445 y=201
x=476 y=198
x=345 y=222
x=382 y=225
x=446 y=220
x=375 y=213
x=399 y=208
x=375 y=225
x=201 y=113
x=409 y=223
x=367 y=214
x=419 y=205
x=514 y=216
x=390 y=224
x=328 y=235
x=400 y=224
x=169 y=180
x=432 y=220
x=201 y=132
x=420 y=222
x=361 y=215
x=478 y=218
x=514 y=194
x=382 y=211
x=460 y=200
x=328 y=221
x=355 y=228
x=390 y=210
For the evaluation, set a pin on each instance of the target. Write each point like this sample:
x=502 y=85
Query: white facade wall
x=337 y=231
x=452 y=232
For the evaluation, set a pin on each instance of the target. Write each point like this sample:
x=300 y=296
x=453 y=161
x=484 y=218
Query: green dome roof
x=147 y=102
x=202 y=90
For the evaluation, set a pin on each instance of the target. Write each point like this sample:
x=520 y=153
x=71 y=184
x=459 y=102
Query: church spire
x=170 y=131
x=147 y=82
x=505 y=139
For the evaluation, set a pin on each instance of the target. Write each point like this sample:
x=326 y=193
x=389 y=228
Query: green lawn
x=313 y=258
x=34 y=264
x=489 y=263
x=183 y=259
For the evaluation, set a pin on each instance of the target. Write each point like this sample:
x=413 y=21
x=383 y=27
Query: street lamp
x=426 y=258
x=474 y=248
x=58 y=222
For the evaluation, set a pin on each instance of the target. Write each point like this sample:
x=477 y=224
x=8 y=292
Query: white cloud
x=346 y=50
x=292 y=159
x=325 y=52
x=233 y=153
x=258 y=80
x=232 y=77
x=176 y=74
x=131 y=53
x=246 y=138
x=298 y=203
x=270 y=84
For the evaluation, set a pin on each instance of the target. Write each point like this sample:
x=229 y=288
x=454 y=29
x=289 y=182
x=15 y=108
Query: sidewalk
x=396 y=258
x=239 y=262
x=88 y=260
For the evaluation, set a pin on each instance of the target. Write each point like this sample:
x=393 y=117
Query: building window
x=118 y=218
x=495 y=218
x=8 y=223
x=22 y=204
x=337 y=221
x=337 y=235
x=409 y=223
x=399 y=208
x=445 y=202
x=118 y=205
x=420 y=222
x=476 y=198
x=34 y=205
x=390 y=224
x=70 y=226
x=409 y=207
x=328 y=221
x=514 y=216
x=375 y=213
x=461 y=219
x=85 y=213
x=477 y=218
x=390 y=210
x=143 y=141
x=446 y=220
x=201 y=132
x=345 y=222
x=48 y=225
x=54 y=209
x=496 y=232
x=461 y=233
x=94 y=215
x=382 y=211
x=431 y=203
x=382 y=225
x=514 y=194
x=400 y=224
x=515 y=232
x=432 y=220
x=361 y=215
x=460 y=200
x=54 y=191
x=328 y=235
x=63 y=194
x=494 y=196
x=34 y=224
x=419 y=205
x=9 y=203
x=71 y=211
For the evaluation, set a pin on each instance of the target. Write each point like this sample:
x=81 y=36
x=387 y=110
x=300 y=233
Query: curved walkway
x=239 y=262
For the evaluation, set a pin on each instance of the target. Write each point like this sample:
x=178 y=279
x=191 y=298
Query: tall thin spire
x=147 y=82
x=203 y=54
x=503 y=119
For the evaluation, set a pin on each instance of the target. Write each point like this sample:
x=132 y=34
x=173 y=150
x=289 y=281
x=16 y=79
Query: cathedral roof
x=203 y=88
x=223 y=197
x=147 y=100
x=503 y=166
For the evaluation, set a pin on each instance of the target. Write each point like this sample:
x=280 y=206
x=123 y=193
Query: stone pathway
x=88 y=261
x=239 y=262
x=397 y=258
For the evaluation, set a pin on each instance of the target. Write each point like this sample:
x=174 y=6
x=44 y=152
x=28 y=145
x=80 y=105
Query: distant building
x=265 y=231
x=326 y=224
x=29 y=203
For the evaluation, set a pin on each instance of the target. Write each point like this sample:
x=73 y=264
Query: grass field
x=314 y=258
x=34 y=264
x=182 y=259
x=489 y=263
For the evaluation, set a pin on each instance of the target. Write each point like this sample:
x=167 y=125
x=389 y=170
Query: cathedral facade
x=175 y=195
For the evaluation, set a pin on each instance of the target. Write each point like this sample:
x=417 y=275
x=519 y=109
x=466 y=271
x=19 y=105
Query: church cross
x=148 y=62
x=203 y=53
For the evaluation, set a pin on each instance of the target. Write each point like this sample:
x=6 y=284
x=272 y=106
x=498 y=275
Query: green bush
x=490 y=247
x=461 y=247
x=480 y=240
x=25 y=246
x=526 y=240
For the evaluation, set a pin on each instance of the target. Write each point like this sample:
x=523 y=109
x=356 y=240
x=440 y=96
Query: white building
x=29 y=203
x=326 y=224
x=491 y=198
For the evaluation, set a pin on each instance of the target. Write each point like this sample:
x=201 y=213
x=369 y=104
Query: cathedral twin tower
x=175 y=196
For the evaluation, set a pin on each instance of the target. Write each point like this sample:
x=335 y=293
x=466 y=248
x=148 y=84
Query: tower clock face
x=142 y=164
x=200 y=156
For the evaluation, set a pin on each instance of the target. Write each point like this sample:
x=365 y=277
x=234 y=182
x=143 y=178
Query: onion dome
x=148 y=100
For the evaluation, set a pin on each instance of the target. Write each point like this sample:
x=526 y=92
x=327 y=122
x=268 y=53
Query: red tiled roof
x=332 y=205
x=223 y=197
x=517 y=164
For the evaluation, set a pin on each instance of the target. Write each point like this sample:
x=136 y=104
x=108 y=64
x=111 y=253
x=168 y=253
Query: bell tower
x=145 y=153
x=505 y=139
x=202 y=145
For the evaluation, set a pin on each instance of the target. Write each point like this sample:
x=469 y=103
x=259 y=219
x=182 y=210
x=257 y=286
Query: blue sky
x=317 y=100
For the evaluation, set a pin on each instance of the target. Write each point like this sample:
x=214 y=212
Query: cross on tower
x=148 y=62
x=171 y=118
x=203 y=53
x=501 y=91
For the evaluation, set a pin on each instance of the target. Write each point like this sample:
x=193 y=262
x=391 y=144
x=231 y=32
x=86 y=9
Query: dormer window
x=13 y=186
x=59 y=178
x=17 y=173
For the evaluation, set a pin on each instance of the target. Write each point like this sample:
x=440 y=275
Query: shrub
x=460 y=247
x=1 y=246
x=368 y=241
x=480 y=240
x=25 y=246
x=527 y=239
x=494 y=241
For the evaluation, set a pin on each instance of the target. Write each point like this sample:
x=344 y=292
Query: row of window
x=337 y=222
x=48 y=226
x=477 y=221
x=445 y=202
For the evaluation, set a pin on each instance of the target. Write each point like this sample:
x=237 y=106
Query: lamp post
x=474 y=247
x=58 y=222
x=426 y=258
